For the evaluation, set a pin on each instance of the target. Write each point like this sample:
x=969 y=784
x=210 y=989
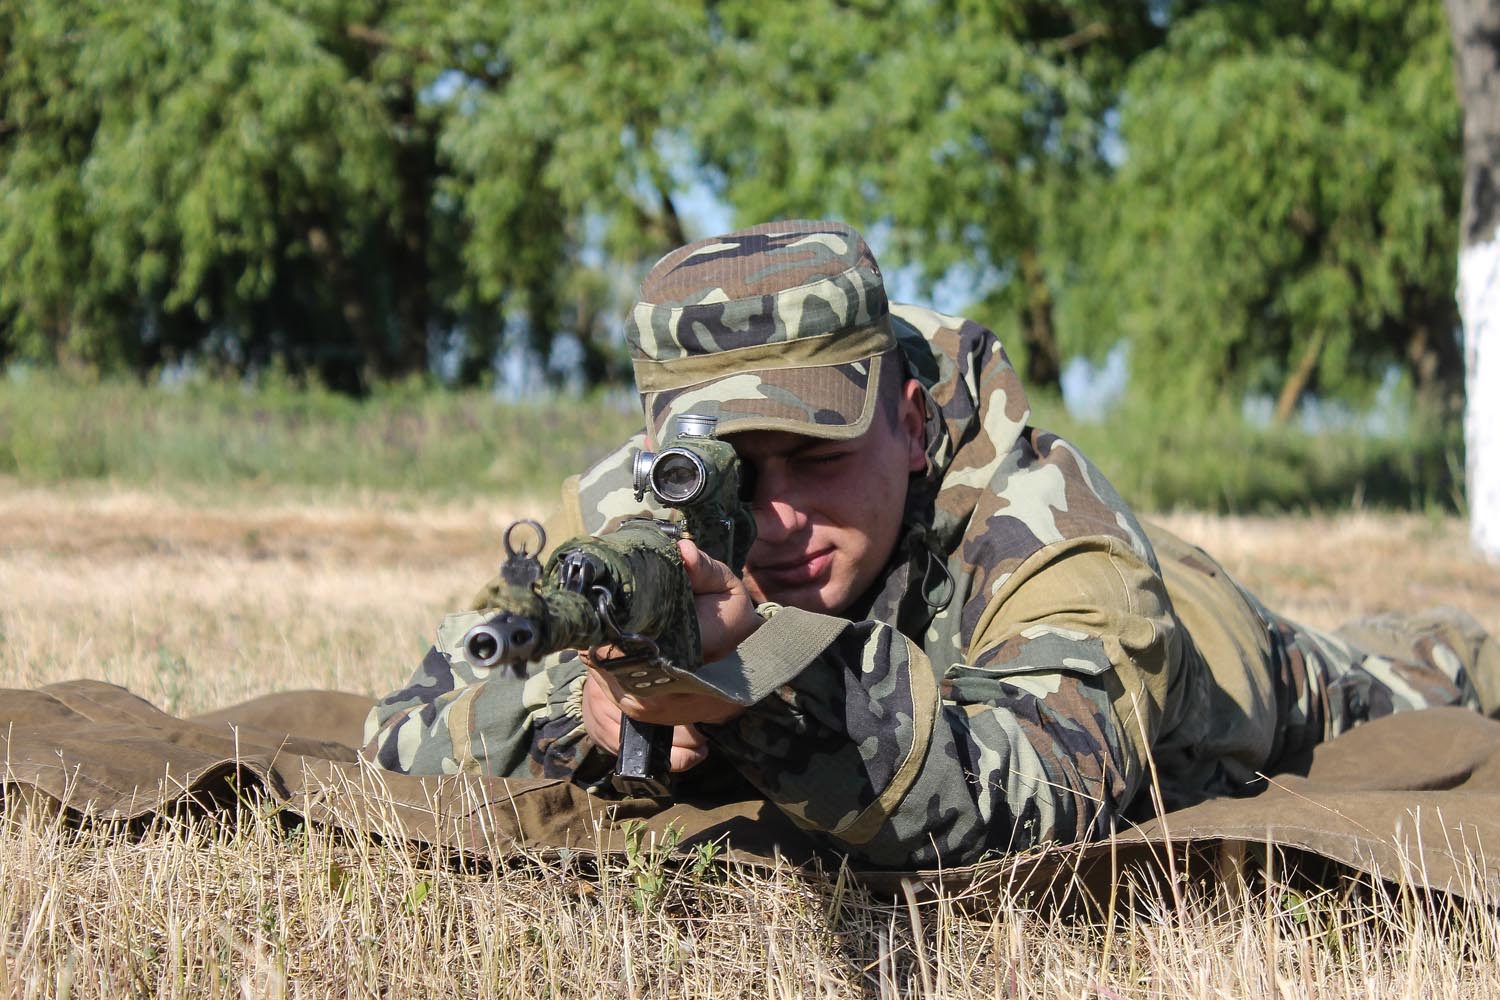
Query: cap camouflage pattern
x=778 y=327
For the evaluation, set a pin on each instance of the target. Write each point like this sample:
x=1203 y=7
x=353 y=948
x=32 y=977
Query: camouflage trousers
x=1330 y=682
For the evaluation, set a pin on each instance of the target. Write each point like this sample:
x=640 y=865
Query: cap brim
x=828 y=401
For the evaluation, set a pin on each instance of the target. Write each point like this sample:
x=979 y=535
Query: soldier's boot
x=1450 y=630
x=1486 y=674
x=1440 y=656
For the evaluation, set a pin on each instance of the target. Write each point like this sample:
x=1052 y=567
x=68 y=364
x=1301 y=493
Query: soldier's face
x=827 y=513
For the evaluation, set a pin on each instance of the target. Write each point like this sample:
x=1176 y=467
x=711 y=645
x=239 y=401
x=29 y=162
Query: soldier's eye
x=826 y=458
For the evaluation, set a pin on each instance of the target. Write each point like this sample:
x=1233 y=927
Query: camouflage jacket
x=1006 y=683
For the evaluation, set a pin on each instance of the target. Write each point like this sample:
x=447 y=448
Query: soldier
x=970 y=642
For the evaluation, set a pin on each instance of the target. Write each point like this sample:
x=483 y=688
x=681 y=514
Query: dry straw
x=195 y=607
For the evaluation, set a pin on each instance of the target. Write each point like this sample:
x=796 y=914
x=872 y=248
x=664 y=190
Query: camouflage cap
x=777 y=327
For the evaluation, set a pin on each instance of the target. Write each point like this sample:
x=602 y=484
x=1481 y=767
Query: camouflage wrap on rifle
x=1013 y=699
x=457 y=716
x=640 y=565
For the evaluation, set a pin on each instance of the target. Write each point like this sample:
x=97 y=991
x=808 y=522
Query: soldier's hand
x=726 y=611
x=601 y=717
x=726 y=617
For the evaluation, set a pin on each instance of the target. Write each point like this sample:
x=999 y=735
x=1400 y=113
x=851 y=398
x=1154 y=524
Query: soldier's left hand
x=601 y=717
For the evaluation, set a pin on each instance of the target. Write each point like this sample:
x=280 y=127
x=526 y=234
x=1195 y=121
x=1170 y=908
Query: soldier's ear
x=913 y=424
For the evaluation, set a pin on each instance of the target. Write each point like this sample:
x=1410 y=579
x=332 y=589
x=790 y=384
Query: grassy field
x=198 y=601
x=207 y=438
x=213 y=438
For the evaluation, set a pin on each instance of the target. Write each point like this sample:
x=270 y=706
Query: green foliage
x=960 y=130
x=564 y=169
x=1244 y=192
x=412 y=901
x=1212 y=458
x=653 y=864
x=202 y=154
x=1256 y=196
x=1287 y=201
x=326 y=182
x=410 y=438
x=404 y=437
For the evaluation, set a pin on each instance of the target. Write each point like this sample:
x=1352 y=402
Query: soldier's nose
x=778 y=519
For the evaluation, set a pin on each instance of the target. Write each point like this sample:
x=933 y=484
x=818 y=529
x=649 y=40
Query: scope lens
x=677 y=476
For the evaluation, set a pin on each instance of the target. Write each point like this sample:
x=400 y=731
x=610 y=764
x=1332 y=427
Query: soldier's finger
x=706 y=575
x=601 y=716
x=689 y=748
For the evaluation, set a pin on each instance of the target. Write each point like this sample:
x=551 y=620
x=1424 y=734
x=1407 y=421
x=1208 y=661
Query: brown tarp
x=1413 y=799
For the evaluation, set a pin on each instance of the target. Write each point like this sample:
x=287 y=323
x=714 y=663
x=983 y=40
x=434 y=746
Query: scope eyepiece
x=696 y=425
x=678 y=476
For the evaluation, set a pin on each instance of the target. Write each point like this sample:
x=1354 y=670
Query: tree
x=237 y=176
x=569 y=172
x=1280 y=221
x=334 y=184
x=45 y=129
x=1475 y=26
x=955 y=131
x=1254 y=195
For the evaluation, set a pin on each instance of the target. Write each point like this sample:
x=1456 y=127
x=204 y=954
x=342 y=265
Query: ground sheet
x=1413 y=799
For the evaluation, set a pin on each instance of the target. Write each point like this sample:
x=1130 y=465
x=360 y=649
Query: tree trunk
x=1296 y=382
x=673 y=235
x=416 y=165
x=1435 y=361
x=1475 y=26
x=340 y=276
x=1043 y=359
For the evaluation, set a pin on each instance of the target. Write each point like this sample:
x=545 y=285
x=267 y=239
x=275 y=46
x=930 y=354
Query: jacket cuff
x=789 y=641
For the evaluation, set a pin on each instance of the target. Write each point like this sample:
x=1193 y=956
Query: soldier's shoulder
x=605 y=492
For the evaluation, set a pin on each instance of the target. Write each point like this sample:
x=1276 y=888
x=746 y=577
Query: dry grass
x=1328 y=569
x=197 y=605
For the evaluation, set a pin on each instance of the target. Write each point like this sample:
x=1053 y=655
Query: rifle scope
x=678 y=475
